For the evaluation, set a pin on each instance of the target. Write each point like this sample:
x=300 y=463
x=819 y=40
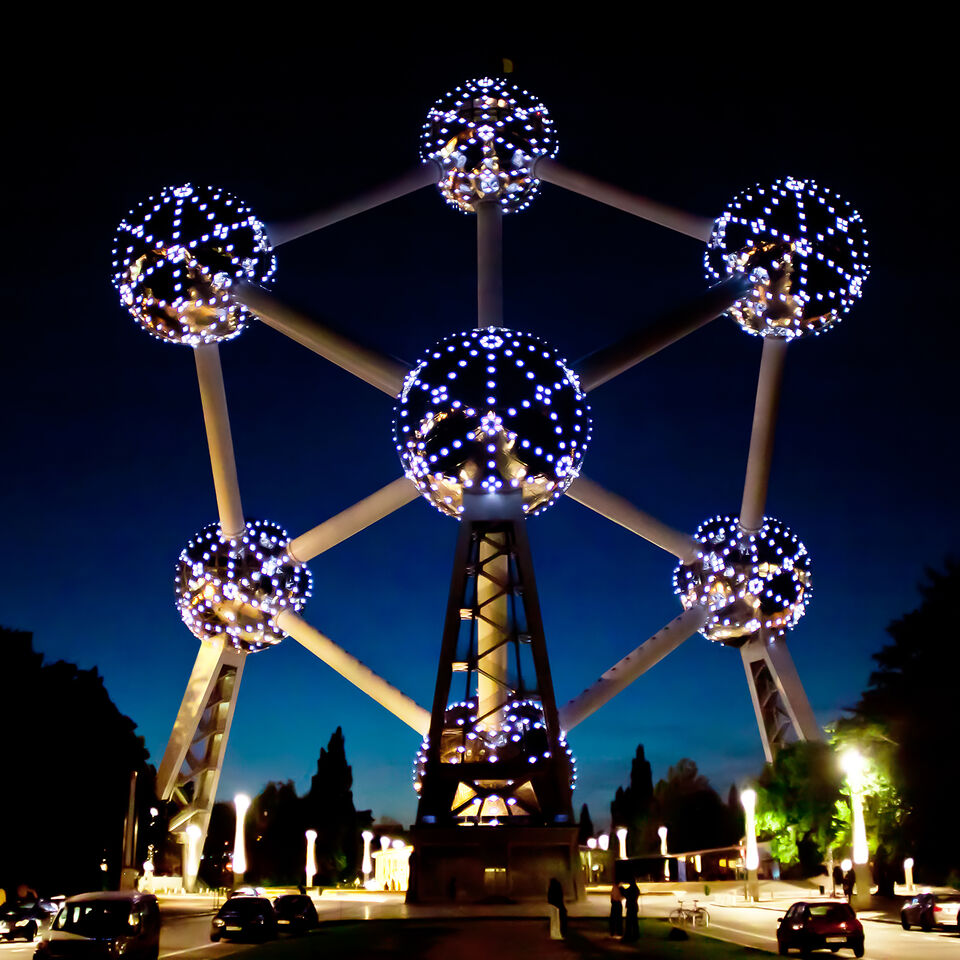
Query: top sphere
x=805 y=249
x=492 y=411
x=486 y=136
x=176 y=255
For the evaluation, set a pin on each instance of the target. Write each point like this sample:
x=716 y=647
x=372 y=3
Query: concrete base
x=472 y=864
x=862 y=896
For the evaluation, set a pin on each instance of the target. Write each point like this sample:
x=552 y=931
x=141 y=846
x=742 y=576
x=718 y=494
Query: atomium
x=518 y=733
x=487 y=135
x=805 y=249
x=492 y=411
x=747 y=581
x=176 y=255
x=234 y=588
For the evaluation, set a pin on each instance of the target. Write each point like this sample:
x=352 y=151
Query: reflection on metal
x=191 y=765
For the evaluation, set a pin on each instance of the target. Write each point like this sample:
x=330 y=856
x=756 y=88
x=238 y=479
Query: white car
x=927 y=910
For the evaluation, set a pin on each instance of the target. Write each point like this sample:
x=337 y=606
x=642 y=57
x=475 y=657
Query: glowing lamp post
x=242 y=803
x=908 y=875
x=592 y=843
x=191 y=858
x=854 y=766
x=603 y=841
x=367 y=865
x=662 y=832
x=311 y=856
x=622 y=840
x=751 y=859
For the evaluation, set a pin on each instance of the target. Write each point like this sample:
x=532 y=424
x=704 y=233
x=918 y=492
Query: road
x=186 y=925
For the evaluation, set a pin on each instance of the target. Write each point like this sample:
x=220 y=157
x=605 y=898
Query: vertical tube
x=217 y=421
x=489 y=264
x=311 y=865
x=242 y=803
x=761 y=436
x=751 y=859
x=492 y=628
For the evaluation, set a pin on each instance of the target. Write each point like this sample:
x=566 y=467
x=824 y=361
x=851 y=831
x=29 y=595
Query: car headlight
x=217 y=922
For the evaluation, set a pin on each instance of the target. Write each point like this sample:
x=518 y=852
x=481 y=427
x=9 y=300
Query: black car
x=296 y=913
x=27 y=919
x=820 y=925
x=245 y=918
x=104 y=926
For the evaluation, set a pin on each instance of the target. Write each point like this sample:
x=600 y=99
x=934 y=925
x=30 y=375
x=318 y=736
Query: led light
x=486 y=136
x=746 y=581
x=537 y=423
x=804 y=247
x=234 y=588
x=176 y=255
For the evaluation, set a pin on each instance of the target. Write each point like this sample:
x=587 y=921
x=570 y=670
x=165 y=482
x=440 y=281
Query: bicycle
x=690 y=917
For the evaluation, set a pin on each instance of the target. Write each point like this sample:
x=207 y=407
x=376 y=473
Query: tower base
x=474 y=864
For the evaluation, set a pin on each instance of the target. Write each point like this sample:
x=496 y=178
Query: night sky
x=106 y=470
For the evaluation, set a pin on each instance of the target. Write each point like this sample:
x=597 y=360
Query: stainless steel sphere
x=176 y=255
x=486 y=136
x=234 y=588
x=804 y=248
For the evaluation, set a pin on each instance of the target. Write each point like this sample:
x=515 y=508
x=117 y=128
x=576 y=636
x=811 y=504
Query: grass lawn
x=490 y=939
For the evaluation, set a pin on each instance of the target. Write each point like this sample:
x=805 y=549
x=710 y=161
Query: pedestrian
x=837 y=878
x=558 y=912
x=631 y=927
x=616 y=911
x=849 y=882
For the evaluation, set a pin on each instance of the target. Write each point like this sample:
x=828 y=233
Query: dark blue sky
x=107 y=473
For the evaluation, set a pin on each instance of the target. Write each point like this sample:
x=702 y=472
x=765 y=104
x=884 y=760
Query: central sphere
x=492 y=411
x=234 y=588
x=486 y=136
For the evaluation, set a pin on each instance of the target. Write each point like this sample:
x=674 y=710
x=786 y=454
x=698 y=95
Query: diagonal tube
x=213 y=398
x=687 y=223
x=765 y=410
x=426 y=173
x=624 y=513
x=597 y=368
x=635 y=663
x=352 y=520
x=360 y=675
x=371 y=366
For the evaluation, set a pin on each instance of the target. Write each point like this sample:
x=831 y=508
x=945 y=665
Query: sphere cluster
x=491 y=411
x=804 y=248
x=234 y=588
x=746 y=581
x=521 y=732
x=486 y=136
x=176 y=255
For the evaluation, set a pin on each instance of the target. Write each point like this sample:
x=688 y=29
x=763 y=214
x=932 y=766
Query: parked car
x=27 y=919
x=245 y=918
x=296 y=913
x=927 y=910
x=827 y=924
x=104 y=926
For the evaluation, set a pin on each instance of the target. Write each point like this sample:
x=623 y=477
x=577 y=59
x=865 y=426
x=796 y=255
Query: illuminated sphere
x=176 y=255
x=234 y=588
x=804 y=247
x=746 y=581
x=491 y=411
x=520 y=733
x=486 y=136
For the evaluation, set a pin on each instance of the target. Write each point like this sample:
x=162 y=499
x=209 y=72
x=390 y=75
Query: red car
x=822 y=924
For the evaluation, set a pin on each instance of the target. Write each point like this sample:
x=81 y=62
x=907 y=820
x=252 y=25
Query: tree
x=630 y=807
x=586 y=826
x=692 y=811
x=68 y=757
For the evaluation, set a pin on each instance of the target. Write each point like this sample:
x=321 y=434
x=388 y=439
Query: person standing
x=631 y=928
x=616 y=911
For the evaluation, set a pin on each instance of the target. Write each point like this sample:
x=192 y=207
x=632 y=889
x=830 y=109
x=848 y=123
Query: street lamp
x=242 y=803
x=603 y=841
x=592 y=843
x=311 y=856
x=854 y=765
x=662 y=832
x=367 y=866
x=622 y=838
x=751 y=858
x=908 y=875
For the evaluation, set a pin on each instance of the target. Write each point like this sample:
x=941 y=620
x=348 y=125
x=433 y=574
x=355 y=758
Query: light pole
x=311 y=856
x=908 y=875
x=662 y=832
x=242 y=804
x=751 y=858
x=854 y=766
x=622 y=839
x=367 y=866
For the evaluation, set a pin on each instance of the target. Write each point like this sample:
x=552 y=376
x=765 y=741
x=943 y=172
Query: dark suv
x=245 y=918
x=820 y=924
